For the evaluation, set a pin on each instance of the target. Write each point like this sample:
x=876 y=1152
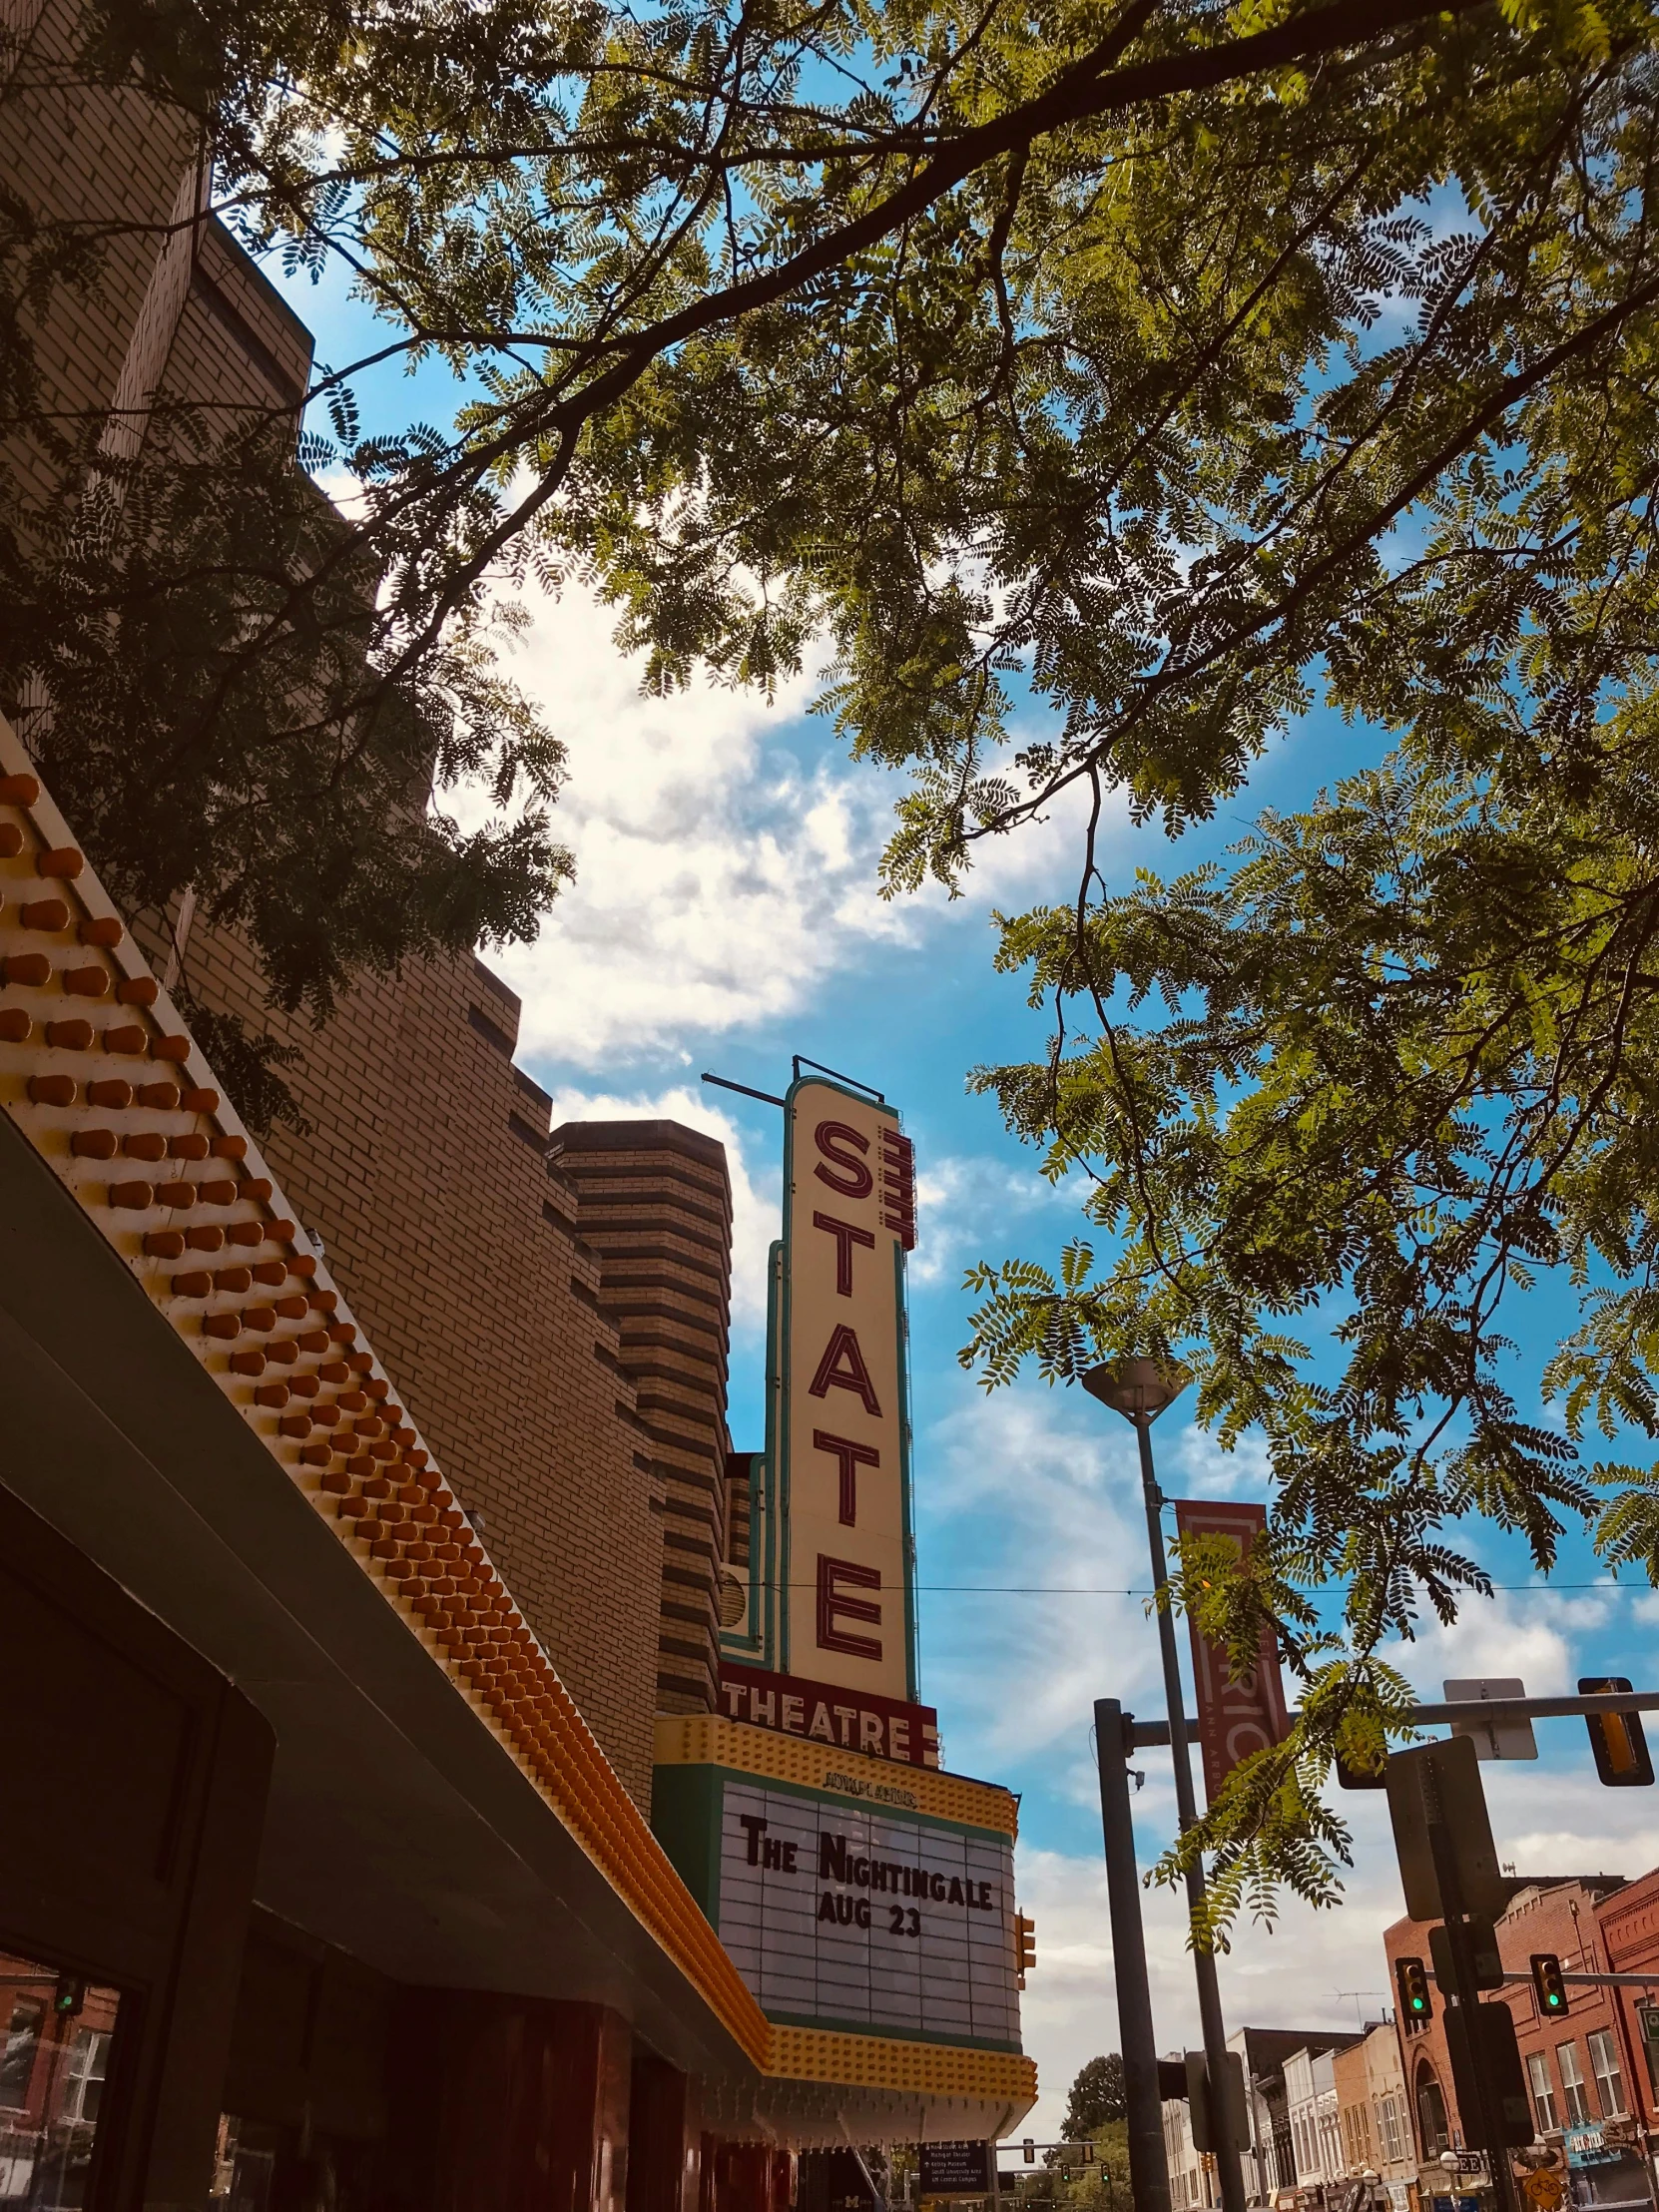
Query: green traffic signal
x=1412 y=1979
x=1548 y=1986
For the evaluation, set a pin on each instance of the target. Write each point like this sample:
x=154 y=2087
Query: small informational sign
x=843 y=1916
x=1545 y=2189
x=1234 y=1718
x=956 y=2169
x=860 y=1721
x=1493 y=1739
x=1586 y=2145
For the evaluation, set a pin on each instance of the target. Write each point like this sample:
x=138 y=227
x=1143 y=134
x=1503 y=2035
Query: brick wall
x=654 y=1202
x=425 y=1173
x=95 y=158
x=236 y=344
x=578 y=1409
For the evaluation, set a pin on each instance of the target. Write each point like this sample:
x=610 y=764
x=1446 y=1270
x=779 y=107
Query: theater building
x=440 y=1773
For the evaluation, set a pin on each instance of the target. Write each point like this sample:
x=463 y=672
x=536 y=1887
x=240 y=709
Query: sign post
x=1148 y=2163
x=1450 y=1871
x=1140 y=1391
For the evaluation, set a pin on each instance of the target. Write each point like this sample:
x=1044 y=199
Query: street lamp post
x=1140 y=1389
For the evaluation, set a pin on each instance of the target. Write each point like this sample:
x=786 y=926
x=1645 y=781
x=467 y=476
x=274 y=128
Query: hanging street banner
x=838 y=1456
x=1234 y=1718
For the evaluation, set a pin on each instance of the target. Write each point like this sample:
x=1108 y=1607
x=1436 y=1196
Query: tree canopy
x=1102 y=386
x=1097 y=2097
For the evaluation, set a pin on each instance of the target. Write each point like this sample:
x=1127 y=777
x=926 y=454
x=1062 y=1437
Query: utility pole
x=1449 y=1873
x=1140 y=1391
x=1148 y=2164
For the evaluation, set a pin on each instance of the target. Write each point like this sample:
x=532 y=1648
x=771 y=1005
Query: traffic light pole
x=1466 y=1990
x=1148 y=2164
x=1229 y=2167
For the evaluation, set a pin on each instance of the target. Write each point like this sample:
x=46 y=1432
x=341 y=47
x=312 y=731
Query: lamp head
x=1139 y=1390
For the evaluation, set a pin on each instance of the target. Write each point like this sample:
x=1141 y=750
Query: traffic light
x=1416 y=2006
x=1025 y=1947
x=1359 y=1778
x=1621 y=1753
x=1028 y=2151
x=1552 y=1991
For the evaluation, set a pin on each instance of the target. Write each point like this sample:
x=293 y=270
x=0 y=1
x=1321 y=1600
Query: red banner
x=1234 y=1718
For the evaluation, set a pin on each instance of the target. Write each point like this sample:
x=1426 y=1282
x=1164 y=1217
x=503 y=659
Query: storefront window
x=1544 y=2093
x=1572 y=2085
x=54 y=2062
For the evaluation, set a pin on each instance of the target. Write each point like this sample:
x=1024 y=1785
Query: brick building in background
x=1586 y=2076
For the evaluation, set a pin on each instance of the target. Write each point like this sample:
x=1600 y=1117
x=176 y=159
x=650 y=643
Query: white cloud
x=754 y=1193
x=1016 y=1678
x=1019 y=1674
x=717 y=880
x=1315 y=1970
x=963 y=1206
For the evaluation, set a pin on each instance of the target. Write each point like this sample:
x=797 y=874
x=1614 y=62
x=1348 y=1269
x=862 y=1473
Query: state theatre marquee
x=844 y=1910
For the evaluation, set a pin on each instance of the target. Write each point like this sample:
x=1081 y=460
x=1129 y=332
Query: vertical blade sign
x=850 y=1218
x=1234 y=1718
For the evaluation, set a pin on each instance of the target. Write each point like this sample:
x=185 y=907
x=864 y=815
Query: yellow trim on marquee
x=709 y=1740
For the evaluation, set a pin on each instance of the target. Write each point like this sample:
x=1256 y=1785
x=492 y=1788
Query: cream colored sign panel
x=850 y=1215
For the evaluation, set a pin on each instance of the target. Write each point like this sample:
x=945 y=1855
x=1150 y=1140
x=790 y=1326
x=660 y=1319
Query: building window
x=1572 y=2085
x=89 y=2064
x=1604 y=2064
x=1387 y=2121
x=17 y=2060
x=1431 y=2121
x=1543 y=2095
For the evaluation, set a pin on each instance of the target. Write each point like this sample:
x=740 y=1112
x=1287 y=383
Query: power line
x=1073 y=1589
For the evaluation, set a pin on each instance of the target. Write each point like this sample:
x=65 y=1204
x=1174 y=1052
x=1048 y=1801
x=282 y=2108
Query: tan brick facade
x=96 y=159
x=559 y=1329
x=425 y=1173
x=654 y=1202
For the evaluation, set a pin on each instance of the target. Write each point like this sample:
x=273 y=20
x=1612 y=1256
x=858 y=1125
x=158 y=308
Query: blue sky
x=725 y=916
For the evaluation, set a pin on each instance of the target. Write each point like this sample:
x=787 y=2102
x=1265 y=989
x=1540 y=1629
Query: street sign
x=956 y=2169
x=1201 y=2107
x=1545 y=2189
x=1437 y=1786
x=1493 y=1739
x=1488 y=1967
x=1487 y=2072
